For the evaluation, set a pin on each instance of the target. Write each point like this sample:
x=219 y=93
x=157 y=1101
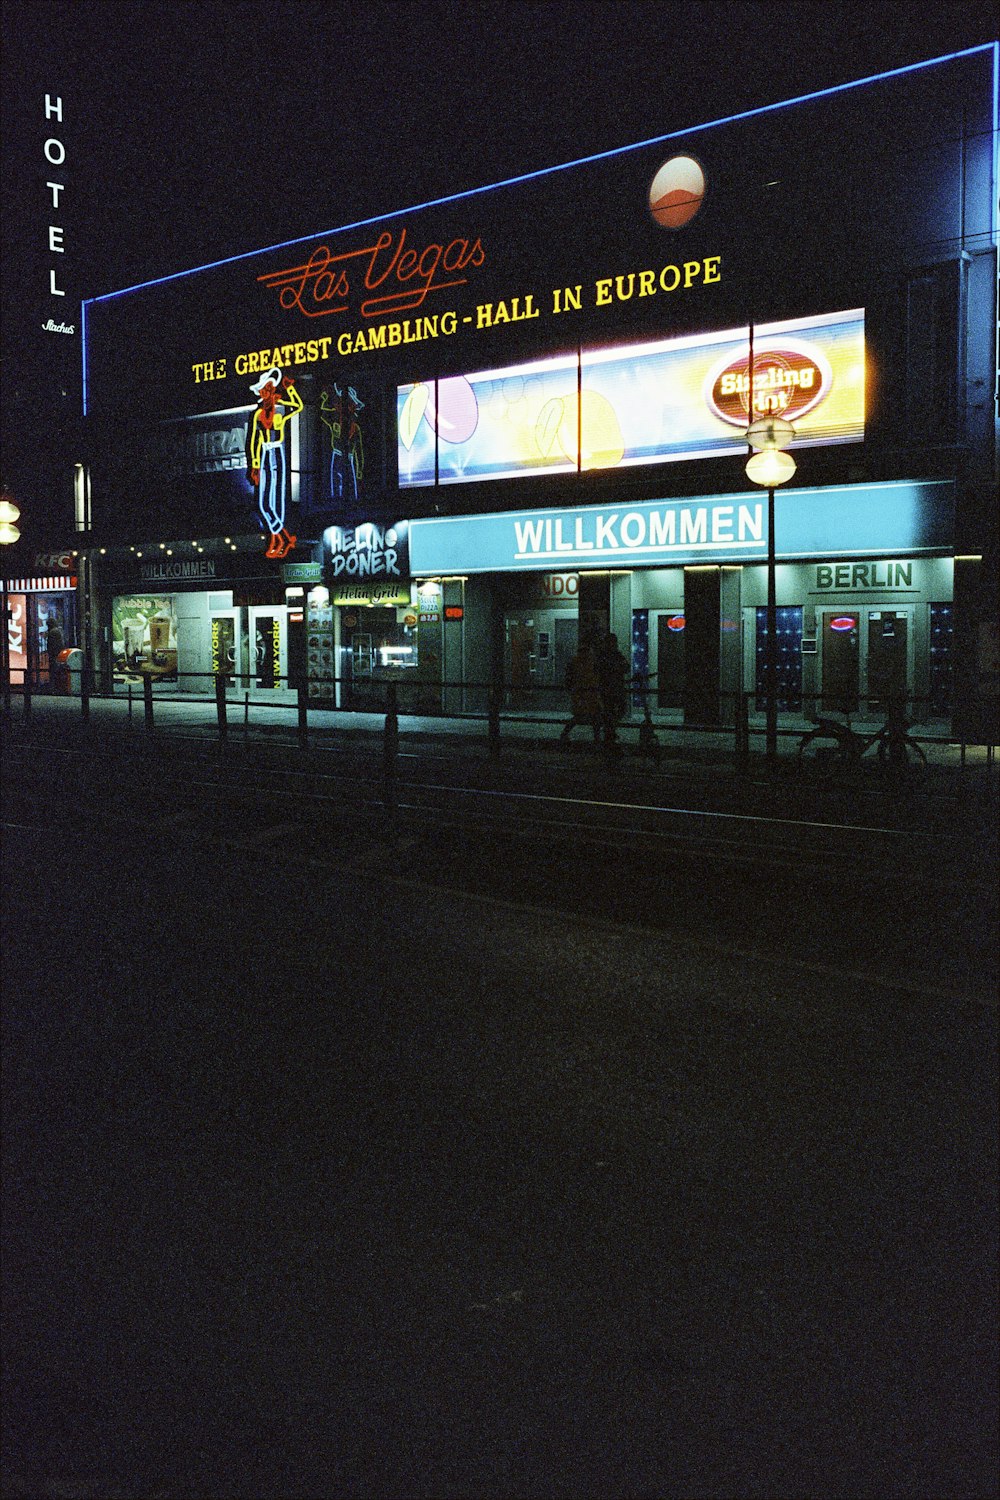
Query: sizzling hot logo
x=790 y=377
x=322 y=285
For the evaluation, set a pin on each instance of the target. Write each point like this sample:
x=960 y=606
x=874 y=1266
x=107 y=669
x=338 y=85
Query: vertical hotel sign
x=54 y=151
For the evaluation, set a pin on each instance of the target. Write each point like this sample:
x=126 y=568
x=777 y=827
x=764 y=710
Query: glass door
x=670 y=654
x=268 y=642
x=841 y=638
x=224 y=645
x=888 y=658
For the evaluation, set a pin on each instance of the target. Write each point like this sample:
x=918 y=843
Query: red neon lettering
x=323 y=279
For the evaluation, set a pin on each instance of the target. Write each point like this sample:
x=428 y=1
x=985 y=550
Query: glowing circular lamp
x=770 y=467
x=770 y=432
x=8 y=532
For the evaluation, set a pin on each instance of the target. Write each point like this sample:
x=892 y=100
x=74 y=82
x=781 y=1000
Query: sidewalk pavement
x=704 y=749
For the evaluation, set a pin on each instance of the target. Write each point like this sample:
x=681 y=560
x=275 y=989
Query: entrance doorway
x=538 y=646
x=269 y=645
x=224 y=645
x=566 y=637
x=888 y=646
x=670 y=659
x=841 y=637
x=379 y=645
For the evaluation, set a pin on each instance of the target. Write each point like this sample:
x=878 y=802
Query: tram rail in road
x=723 y=898
x=863 y=898
x=742 y=822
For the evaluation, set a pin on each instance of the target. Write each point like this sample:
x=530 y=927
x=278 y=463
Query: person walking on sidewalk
x=612 y=678
x=55 y=642
x=584 y=692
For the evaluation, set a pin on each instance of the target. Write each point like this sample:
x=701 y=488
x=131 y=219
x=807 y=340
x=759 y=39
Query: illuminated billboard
x=588 y=317
x=643 y=403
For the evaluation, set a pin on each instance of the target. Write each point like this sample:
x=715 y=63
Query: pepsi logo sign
x=676 y=622
x=790 y=377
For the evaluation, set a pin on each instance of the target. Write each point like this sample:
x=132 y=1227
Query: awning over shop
x=896 y=518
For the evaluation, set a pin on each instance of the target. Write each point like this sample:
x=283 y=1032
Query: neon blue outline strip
x=996 y=136
x=83 y=352
x=581 y=161
x=996 y=212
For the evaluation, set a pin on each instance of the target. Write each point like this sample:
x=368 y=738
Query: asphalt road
x=345 y=1157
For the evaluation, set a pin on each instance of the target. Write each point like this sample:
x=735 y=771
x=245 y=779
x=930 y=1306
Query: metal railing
x=730 y=722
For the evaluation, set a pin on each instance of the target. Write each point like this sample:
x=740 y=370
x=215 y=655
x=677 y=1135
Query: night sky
x=199 y=130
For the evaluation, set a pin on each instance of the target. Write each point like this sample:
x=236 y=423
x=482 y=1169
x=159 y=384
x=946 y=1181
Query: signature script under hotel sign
x=390 y=276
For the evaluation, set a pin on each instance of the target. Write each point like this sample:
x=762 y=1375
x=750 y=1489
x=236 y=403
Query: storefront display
x=41 y=623
x=319 y=645
x=144 y=637
x=433 y=416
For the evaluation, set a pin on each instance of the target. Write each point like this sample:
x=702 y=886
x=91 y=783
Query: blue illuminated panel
x=941 y=661
x=789 y=657
x=865 y=520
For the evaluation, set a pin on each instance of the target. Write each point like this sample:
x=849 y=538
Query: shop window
x=789 y=622
x=144 y=637
x=941 y=660
x=380 y=645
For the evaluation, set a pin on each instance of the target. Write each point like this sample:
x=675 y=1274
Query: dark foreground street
x=374 y=1165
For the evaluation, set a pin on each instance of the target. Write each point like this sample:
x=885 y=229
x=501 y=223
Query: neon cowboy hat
x=272 y=376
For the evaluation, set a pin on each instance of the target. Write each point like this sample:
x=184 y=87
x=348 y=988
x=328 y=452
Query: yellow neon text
x=705 y=272
x=393 y=335
x=258 y=360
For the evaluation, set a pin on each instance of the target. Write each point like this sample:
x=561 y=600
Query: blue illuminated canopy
x=864 y=520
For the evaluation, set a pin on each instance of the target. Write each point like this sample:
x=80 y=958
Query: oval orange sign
x=789 y=379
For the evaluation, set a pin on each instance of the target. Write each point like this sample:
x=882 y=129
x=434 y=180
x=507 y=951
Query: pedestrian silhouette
x=55 y=642
x=584 y=692
x=612 y=679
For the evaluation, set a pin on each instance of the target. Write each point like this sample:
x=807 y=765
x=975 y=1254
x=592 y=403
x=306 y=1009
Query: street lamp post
x=770 y=466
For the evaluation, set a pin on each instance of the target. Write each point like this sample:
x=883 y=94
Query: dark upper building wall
x=879 y=196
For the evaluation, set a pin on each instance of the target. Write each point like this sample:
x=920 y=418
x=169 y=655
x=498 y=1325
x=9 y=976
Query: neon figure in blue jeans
x=347 y=459
x=279 y=401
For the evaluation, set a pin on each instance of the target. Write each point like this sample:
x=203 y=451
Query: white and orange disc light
x=676 y=192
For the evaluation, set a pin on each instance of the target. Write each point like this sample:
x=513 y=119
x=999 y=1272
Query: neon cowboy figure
x=278 y=402
x=347 y=459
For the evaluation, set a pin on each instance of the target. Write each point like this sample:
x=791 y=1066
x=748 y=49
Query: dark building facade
x=441 y=446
